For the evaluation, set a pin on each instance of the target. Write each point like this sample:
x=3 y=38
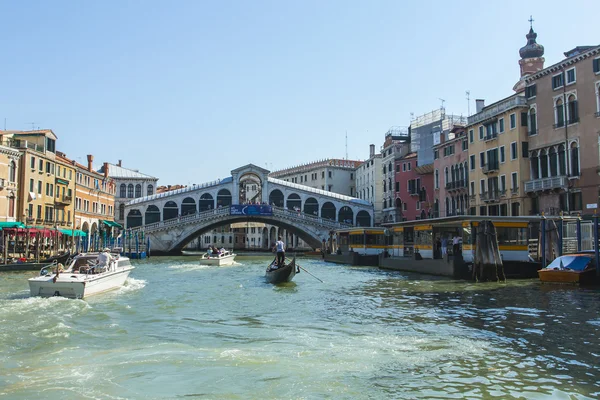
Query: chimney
x=90 y=162
x=479 y=104
x=119 y=163
x=372 y=150
x=106 y=170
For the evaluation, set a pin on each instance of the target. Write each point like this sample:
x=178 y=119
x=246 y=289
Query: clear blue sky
x=188 y=90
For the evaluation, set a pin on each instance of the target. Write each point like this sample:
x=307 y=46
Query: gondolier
x=280 y=248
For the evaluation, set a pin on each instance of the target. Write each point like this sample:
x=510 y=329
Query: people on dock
x=280 y=249
x=455 y=245
x=444 y=245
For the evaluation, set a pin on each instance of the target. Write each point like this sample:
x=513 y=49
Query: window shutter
x=523 y=119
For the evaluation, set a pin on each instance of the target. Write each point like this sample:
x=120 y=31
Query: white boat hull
x=75 y=285
x=219 y=261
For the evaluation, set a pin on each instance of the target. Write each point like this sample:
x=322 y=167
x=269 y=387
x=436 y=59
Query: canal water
x=182 y=330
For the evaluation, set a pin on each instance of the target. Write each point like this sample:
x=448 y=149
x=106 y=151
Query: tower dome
x=532 y=49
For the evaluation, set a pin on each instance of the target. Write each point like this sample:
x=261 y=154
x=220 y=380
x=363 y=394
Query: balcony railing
x=493 y=196
x=64 y=200
x=496 y=109
x=514 y=191
x=456 y=185
x=490 y=136
x=532 y=132
x=556 y=182
x=489 y=168
x=483 y=196
x=559 y=125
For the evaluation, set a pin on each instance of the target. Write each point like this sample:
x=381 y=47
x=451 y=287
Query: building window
x=138 y=190
x=471 y=135
x=437 y=175
x=472 y=161
x=123 y=190
x=465 y=145
x=557 y=81
x=329 y=173
x=150 y=190
x=481 y=132
x=513 y=151
x=32 y=162
x=501 y=125
x=596 y=65
x=41 y=165
x=572 y=109
x=472 y=188
x=571 y=76
x=532 y=122
x=574 y=159
x=559 y=113
x=502 y=155
x=530 y=91
x=130 y=191
x=481 y=159
x=39 y=187
x=513 y=121
x=121 y=212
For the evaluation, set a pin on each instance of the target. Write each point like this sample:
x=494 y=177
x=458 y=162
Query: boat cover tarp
x=575 y=263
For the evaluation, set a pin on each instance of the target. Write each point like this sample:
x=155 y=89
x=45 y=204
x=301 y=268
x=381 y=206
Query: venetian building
x=130 y=184
x=9 y=172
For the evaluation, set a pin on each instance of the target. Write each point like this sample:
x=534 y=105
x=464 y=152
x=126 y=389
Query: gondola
x=58 y=258
x=281 y=274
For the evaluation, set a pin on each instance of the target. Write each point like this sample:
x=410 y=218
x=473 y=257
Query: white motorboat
x=81 y=278
x=223 y=258
x=192 y=253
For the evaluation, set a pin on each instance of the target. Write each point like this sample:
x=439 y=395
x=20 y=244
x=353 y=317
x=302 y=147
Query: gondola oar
x=304 y=269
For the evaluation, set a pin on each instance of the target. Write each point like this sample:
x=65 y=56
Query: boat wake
x=190 y=267
x=132 y=285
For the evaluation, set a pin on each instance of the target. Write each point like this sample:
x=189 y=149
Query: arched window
x=130 y=191
x=437 y=179
x=535 y=166
x=574 y=159
x=385 y=203
x=138 y=190
x=553 y=162
x=390 y=167
x=543 y=164
x=562 y=160
x=123 y=191
x=532 y=121
x=559 y=113
x=573 y=109
x=452 y=174
x=12 y=171
x=446 y=176
x=150 y=190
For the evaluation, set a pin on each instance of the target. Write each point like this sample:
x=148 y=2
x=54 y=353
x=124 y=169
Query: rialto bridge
x=173 y=219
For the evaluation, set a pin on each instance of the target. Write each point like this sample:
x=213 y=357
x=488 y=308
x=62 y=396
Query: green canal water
x=181 y=330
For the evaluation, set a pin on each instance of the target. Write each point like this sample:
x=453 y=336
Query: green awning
x=113 y=223
x=6 y=224
x=73 y=232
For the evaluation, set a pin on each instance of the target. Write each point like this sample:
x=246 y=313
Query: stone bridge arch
x=312 y=238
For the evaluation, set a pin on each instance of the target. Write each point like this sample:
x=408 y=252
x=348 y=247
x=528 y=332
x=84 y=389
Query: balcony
x=490 y=168
x=532 y=132
x=489 y=137
x=573 y=120
x=493 y=196
x=64 y=200
x=514 y=191
x=559 y=125
x=556 y=182
x=456 y=185
x=29 y=220
x=483 y=196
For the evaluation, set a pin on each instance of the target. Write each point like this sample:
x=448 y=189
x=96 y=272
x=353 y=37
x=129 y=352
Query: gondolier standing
x=280 y=248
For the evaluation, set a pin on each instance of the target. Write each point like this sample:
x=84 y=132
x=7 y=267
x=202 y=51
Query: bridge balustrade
x=218 y=213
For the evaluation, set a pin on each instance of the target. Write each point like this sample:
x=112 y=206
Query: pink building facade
x=451 y=174
x=413 y=192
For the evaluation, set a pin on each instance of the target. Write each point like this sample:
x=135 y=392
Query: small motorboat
x=220 y=259
x=571 y=268
x=81 y=278
x=279 y=274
